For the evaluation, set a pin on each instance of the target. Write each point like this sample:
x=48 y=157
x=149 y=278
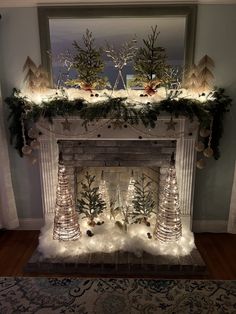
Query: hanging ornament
x=208 y=152
x=200 y=164
x=26 y=150
x=33 y=133
x=204 y=132
x=199 y=146
x=35 y=144
x=66 y=125
x=171 y=124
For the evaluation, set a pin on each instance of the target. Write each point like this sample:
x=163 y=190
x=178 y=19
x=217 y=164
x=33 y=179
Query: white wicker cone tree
x=66 y=224
x=169 y=227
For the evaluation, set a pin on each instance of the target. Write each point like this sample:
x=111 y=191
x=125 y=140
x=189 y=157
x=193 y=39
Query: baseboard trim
x=31 y=223
x=214 y=226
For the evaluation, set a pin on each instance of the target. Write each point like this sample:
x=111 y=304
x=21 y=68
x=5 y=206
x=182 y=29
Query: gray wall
x=19 y=37
x=215 y=36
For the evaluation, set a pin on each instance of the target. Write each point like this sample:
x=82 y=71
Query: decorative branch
x=116 y=108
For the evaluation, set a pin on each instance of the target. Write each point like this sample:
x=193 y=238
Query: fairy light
x=169 y=227
x=66 y=225
x=130 y=192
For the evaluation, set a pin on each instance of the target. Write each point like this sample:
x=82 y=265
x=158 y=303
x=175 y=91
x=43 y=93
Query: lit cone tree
x=169 y=226
x=66 y=225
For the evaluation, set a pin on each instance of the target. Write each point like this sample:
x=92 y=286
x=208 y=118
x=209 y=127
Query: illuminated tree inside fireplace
x=143 y=203
x=66 y=225
x=91 y=203
x=169 y=226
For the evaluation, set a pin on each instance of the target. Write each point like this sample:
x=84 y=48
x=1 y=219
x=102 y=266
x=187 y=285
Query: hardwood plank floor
x=217 y=250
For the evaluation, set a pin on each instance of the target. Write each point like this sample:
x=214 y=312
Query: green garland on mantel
x=117 y=108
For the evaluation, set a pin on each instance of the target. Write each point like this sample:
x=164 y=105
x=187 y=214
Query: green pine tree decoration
x=150 y=63
x=89 y=64
x=90 y=203
x=143 y=203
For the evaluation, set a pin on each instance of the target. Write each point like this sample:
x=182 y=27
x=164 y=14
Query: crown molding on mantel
x=33 y=3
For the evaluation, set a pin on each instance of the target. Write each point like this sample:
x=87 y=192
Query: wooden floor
x=217 y=250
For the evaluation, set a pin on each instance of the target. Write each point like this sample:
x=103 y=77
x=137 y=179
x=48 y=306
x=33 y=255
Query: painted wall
x=215 y=36
x=19 y=37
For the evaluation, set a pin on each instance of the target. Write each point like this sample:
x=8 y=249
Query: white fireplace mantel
x=185 y=134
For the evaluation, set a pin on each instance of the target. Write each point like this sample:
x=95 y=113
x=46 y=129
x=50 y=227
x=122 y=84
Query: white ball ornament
x=204 y=132
x=208 y=152
x=35 y=144
x=33 y=133
x=199 y=146
x=200 y=164
x=26 y=150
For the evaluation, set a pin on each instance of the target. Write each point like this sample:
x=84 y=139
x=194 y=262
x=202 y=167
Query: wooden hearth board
x=120 y=264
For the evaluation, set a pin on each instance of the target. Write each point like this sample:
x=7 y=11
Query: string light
x=104 y=191
x=169 y=227
x=66 y=225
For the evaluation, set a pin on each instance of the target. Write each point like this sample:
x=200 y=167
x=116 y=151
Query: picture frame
x=45 y=14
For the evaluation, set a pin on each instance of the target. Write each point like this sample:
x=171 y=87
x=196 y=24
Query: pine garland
x=117 y=108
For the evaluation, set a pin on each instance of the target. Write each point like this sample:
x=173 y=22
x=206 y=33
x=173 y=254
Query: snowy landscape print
x=115 y=31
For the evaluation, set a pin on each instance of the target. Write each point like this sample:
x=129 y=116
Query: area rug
x=121 y=296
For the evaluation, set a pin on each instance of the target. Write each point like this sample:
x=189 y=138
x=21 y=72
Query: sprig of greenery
x=118 y=109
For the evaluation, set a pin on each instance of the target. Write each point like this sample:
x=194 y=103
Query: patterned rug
x=121 y=296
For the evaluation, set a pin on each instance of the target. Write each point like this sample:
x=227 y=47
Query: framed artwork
x=113 y=26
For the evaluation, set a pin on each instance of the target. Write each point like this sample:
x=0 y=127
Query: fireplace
x=116 y=154
x=116 y=161
x=105 y=135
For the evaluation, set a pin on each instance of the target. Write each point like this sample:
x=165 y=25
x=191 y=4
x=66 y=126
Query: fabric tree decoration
x=66 y=225
x=36 y=78
x=192 y=79
x=143 y=203
x=30 y=78
x=169 y=227
x=206 y=77
x=91 y=203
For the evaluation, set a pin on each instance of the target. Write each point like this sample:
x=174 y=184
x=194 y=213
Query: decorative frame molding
x=121 y=10
x=35 y=3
